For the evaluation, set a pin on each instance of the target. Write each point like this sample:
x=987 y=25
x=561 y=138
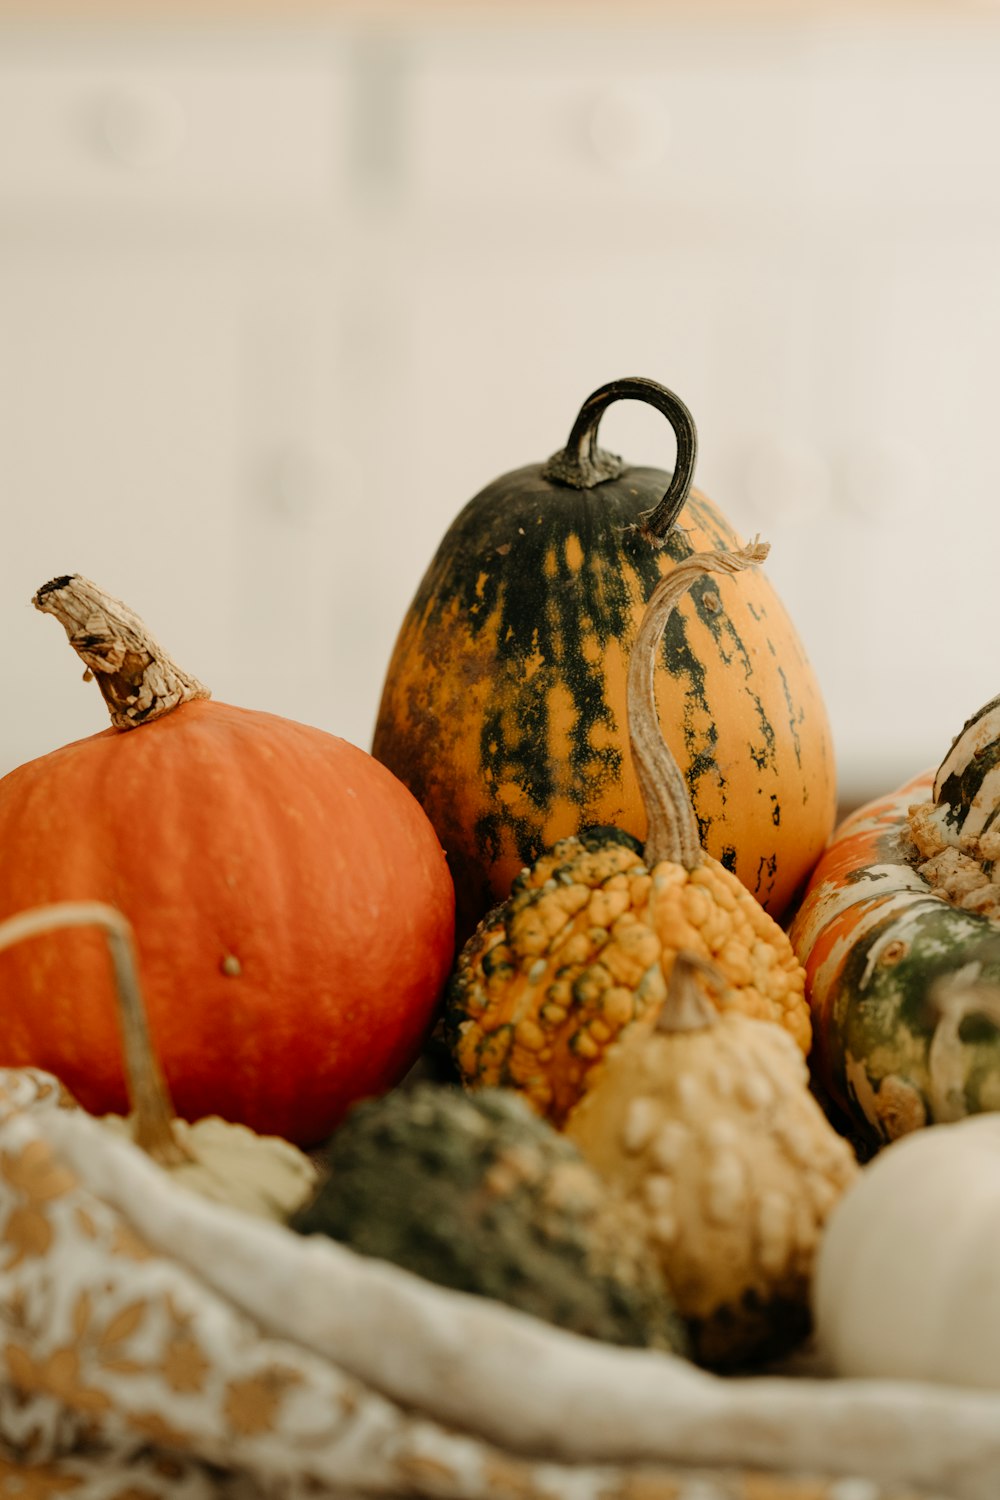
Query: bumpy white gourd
x=907 y=1280
x=263 y=1175
x=706 y=1122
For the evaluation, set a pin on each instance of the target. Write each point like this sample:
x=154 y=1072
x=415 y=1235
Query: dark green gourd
x=478 y=1194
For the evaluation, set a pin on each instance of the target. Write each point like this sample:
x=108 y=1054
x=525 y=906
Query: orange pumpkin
x=504 y=704
x=292 y=905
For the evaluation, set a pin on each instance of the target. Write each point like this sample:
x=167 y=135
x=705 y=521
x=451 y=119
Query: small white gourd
x=706 y=1121
x=263 y=1175
x=907 y=1281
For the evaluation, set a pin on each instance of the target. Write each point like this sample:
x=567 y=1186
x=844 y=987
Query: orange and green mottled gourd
x=503 y=707
x=291 y=903
x=899 y=932
x=586 y=942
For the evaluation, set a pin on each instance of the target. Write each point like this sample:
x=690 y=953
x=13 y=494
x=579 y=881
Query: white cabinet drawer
x=159 y=126
x=906 y=122
x=579 y=129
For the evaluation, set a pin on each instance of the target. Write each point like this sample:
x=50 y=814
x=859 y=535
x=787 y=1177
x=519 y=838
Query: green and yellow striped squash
x=899 y=934
x=504 y=704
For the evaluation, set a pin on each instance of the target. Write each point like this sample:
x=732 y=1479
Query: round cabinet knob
x=628 y=132
x=292 y=484
x=784 y=479
x=141 y=128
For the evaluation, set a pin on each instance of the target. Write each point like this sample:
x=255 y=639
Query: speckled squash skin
x=587 y=942
x=551 y=976
x=901 y=980
x=504 y=704
x=584 y=947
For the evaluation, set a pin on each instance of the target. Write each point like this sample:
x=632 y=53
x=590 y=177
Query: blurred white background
x=280 y=291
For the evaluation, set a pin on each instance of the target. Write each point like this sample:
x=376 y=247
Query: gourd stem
x=955 y=997
x=672 y=828
x=147 y=1088
x=582 y=464
x=687 y=1007
x=138 y=679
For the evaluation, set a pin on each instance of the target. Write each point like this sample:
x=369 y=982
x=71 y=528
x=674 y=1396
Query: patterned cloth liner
x=155 y=1344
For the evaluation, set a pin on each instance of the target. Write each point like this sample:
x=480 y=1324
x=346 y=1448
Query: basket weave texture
x=153 y=1344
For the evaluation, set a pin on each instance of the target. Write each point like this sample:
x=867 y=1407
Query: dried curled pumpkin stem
x=148 y=1094
x=138 y=679
x=672 y=828
x=687 y=1007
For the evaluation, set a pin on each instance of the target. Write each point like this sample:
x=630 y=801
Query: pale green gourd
x=907 y=1283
